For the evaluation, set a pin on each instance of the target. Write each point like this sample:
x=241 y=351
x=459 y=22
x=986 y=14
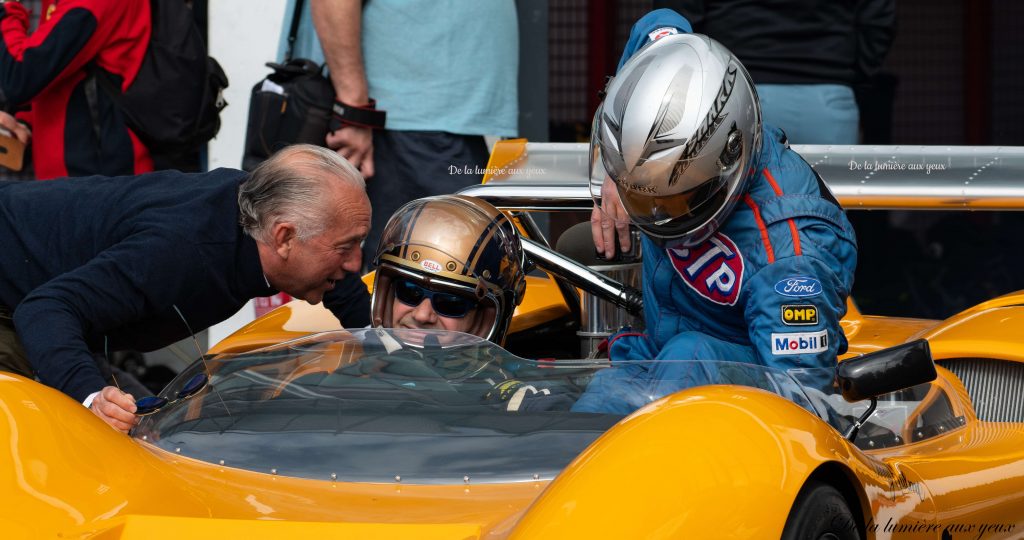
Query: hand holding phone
x=12 y=150
x=13 y=138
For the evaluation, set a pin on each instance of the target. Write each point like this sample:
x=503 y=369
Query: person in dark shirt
x=805 y=56
x=48 y=71
x=92 y=264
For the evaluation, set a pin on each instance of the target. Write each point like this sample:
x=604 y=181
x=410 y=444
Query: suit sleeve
x=640 y=34
x=142 y=274
x=349 y=301
x=60 y=47
x=793 y=310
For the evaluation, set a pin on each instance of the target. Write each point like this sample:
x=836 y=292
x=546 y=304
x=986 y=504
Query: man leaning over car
x=96 y=264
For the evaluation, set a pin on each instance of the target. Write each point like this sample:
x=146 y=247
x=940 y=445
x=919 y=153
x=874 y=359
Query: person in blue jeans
x=747 y=256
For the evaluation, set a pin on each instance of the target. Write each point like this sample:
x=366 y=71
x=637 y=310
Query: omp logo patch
x=714 y=269
x=430 y=266
x=799 y=343
x=798 y=287
x=799 y=314
x=662 y=32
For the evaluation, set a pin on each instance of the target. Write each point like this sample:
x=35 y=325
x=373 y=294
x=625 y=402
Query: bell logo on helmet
x=430 y=266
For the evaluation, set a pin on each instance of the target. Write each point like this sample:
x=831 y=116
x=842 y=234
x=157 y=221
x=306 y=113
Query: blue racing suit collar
x=643 y=31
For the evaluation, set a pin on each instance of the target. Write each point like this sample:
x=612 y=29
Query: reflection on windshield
x=426 y=406
x=371 y=405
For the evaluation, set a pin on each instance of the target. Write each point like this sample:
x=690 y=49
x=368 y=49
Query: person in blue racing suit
x=747 y=256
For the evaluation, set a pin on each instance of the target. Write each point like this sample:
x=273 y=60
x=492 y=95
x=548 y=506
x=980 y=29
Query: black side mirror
x=887 y=370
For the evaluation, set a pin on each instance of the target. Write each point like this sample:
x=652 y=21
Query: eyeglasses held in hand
x=151 y=404
x=445 y=304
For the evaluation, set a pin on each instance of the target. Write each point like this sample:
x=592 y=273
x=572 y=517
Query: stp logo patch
x=799 y=343
x=714 y=269
x=799 y=314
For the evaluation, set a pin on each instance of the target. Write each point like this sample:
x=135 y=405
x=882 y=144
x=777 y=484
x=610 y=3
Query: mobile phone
x=12 y=151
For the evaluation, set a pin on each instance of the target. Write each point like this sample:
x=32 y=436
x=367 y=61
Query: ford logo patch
x=798 y=286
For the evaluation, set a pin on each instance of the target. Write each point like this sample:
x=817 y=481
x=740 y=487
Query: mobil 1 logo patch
x=799 y=343
x=799 y=314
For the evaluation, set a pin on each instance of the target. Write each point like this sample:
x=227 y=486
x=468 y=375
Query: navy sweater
x=90 y=257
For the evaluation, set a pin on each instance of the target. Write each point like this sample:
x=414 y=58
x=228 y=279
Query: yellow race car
x=399 y=434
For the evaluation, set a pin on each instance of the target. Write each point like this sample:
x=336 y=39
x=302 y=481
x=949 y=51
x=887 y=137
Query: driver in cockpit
x=449 y=262
x=456 y=263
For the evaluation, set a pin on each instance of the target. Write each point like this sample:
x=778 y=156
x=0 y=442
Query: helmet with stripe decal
x=456 y=244
x=678 y=131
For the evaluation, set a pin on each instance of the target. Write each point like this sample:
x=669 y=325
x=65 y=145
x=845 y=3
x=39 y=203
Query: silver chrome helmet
x=678 y=132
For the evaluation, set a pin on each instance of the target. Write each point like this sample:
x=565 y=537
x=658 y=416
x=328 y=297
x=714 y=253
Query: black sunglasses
x=151 y=404
x=445 y=304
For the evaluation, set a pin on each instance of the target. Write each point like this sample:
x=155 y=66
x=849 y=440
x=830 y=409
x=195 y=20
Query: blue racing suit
x=767 y=288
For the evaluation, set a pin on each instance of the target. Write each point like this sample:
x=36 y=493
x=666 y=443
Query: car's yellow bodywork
x=66 y=474
x=708 y=462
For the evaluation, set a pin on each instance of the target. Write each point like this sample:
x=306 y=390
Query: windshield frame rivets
x=144 y=437
x=398 y=478
x=177 y=449
x=273 y=471
x=465 y=479
x=536 y=476
x=221 y=462
x=334 y=477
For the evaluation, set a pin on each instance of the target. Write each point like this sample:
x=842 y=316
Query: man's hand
x=19 y=130
x=356 y=145
x=115 y=408
x=608 y=220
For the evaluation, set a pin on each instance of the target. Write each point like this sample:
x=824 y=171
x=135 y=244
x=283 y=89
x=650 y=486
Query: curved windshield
x=416 y=406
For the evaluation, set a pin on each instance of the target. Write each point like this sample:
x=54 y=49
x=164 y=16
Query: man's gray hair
x=291 y=186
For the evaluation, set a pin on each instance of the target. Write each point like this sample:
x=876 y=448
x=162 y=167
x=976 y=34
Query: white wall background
x=243 y=35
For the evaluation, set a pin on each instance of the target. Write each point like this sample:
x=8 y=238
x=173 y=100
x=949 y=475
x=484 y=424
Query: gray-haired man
x=93 y=260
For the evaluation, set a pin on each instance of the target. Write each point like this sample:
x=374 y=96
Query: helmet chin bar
x=694 y=238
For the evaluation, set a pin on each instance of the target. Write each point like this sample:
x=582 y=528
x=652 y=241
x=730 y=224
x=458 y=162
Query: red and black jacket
x=48 y=71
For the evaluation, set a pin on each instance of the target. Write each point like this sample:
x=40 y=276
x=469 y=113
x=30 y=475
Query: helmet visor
x=676 y=215
x=634 y=186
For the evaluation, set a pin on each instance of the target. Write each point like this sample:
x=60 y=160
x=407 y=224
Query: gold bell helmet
x=678 y=132
x=457 y=244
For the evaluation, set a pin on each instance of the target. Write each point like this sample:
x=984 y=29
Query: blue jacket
x=90 y=259
x=774 y=278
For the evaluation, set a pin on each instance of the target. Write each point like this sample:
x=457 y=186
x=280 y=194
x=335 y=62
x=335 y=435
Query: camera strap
x=293 y=30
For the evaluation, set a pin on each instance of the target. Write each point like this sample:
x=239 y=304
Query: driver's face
x=423 y=317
